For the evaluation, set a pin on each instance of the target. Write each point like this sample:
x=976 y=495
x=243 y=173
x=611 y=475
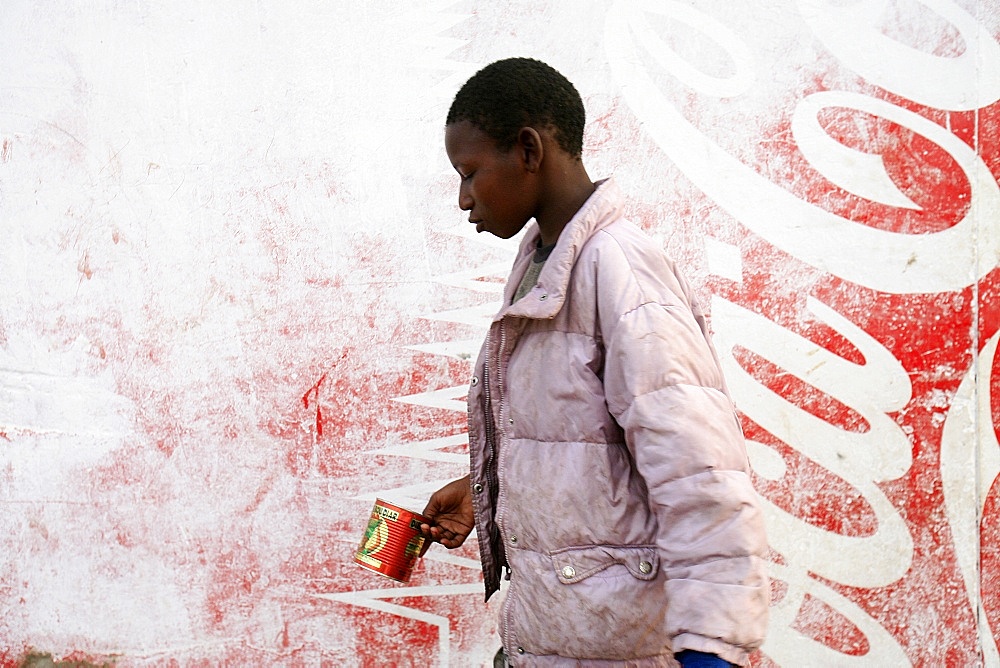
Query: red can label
x=391 y=542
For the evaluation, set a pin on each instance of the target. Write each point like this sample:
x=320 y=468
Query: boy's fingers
x=452 y=543
x=438 y=534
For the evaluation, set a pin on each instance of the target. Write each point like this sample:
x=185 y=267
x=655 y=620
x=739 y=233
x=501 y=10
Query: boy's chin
x=505 y=233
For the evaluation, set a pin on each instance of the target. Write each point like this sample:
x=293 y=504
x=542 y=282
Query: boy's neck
x=567 y=188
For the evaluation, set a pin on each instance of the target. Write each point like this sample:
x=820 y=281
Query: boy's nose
x=464 y=200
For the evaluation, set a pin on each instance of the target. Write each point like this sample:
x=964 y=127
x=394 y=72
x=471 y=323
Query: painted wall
x=238 y=302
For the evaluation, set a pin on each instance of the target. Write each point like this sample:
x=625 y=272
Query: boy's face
x=496 y=188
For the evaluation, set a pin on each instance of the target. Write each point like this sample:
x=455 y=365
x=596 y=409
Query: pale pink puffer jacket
x=611 y=474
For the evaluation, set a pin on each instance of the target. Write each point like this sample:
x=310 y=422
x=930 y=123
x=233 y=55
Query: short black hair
x=510 y=94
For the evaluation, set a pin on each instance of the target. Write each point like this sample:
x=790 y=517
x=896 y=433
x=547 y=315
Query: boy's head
x=511 y=94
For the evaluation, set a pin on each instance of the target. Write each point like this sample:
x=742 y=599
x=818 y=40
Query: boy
x=608 y=469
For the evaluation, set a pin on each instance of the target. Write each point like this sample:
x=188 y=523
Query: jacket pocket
x=574 y=564
x=595 y=602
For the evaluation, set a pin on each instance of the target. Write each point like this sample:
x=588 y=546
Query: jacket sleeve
x=664 y=386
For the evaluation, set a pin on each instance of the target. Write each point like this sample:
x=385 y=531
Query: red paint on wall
x=931 y=335
x=314 y=391
x=989 y=577
x=994 y=390
x=818 y=620
x=921 y=169
x=232 y=593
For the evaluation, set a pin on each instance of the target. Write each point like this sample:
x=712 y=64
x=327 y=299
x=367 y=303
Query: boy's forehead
x=463 y=137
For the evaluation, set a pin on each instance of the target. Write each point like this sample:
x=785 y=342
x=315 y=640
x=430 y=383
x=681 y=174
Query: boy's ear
x=529 y=144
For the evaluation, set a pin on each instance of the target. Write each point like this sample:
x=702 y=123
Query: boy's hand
x=450 y=513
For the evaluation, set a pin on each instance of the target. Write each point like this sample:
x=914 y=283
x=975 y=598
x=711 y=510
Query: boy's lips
x=480 y=225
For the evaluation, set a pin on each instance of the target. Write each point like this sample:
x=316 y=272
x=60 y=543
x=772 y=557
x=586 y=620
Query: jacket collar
x=545 y=300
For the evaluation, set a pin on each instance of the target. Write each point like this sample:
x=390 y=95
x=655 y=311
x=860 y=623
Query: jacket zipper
x=491 y=474
x=494 y=450
x=490 y=436
x=505 y=608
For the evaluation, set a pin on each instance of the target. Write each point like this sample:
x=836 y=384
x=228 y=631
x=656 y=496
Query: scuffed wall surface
x=238 y=301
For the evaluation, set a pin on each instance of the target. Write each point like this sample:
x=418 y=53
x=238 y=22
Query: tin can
x=392 y=541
